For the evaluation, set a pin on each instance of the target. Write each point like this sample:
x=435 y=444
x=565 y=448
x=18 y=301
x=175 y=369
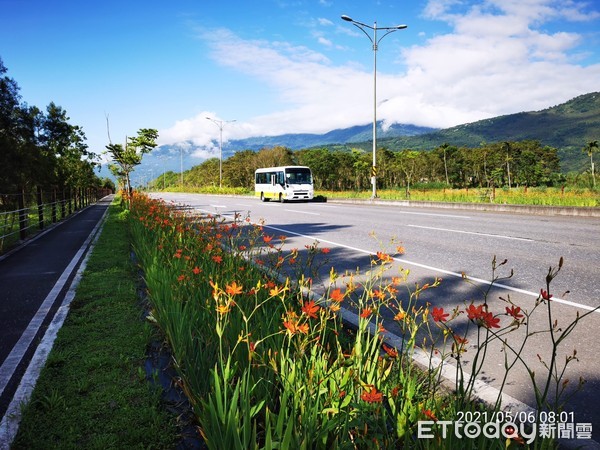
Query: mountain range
x=567 y=127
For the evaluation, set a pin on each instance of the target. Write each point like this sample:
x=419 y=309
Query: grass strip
x=93 y=391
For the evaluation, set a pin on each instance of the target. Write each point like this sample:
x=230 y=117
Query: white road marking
x=303 y=212
x=472 y=232
x=218 y=206
x=454 y=216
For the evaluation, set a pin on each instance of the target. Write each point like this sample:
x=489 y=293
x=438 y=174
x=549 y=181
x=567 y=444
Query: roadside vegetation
x=503 y=173
x=267 y=361
x=93 y=392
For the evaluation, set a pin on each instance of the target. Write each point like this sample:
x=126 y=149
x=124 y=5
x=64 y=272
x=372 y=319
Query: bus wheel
x=262 y=197
x=281 y=200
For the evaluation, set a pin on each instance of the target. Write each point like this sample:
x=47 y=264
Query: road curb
x=540 y=210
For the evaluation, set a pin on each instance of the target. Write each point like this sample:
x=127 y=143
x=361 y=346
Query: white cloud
x=497 y=60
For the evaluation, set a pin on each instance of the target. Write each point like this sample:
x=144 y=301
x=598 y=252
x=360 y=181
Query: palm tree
x=590 y=148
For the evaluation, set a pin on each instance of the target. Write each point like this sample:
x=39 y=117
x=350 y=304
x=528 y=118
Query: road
x=448 y=244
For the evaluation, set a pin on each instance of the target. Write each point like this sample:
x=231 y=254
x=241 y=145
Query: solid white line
x=454 y=216
x=303 y=212
x=472 y=232
x=218 y=206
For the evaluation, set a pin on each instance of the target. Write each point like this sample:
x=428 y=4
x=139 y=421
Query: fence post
x=53 y=205
x=22 y=215
x=62 y=205
x=40 y=206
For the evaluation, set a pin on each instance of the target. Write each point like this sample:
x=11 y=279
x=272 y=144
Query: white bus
x=283 y=183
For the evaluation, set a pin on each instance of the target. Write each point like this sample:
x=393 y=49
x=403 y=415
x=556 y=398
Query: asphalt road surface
x=449 y=243
x=33 y=283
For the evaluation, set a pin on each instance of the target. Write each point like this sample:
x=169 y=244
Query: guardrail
x=36 y=211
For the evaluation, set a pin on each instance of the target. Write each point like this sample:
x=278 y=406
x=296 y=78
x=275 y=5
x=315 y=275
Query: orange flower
x=371 y=395
x=384 y=257
x=223 y=309
x=401 y=315
x=276 y=291
x=392 y=352
x=325 y=250
x=365 y=313
x=267 y=239
x=293 y=327
x=180 y=278
x=376 y=293
x=430 y=415
x=335 y=307
x=196 y=270
x=336 y=295
x=400 y=250
x=303 y=328
x=217 y=259
x=310 y=309
x=233 y=289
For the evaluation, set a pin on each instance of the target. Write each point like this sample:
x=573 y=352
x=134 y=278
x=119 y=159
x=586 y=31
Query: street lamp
x=220 y=124
x=361 y=26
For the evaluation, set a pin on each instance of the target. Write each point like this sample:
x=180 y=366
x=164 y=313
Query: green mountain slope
x=567 y=127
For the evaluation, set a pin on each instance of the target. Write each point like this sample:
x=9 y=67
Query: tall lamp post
x=375 y=41
x=220 y=124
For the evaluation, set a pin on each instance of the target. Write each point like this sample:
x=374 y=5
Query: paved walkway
x=34 y=280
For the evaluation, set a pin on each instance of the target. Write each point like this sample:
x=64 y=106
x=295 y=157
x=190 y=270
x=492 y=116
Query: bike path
x=33 y=282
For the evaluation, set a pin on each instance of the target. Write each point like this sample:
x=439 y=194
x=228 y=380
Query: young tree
x=590 y=149
x=126 y=159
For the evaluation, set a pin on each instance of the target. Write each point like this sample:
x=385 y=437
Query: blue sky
x=290 y=66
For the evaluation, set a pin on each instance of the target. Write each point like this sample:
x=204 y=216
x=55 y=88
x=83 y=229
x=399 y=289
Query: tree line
x=524 y=163
x=41 y=150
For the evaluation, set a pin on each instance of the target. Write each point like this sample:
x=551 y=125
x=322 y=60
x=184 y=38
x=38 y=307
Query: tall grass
x=547 y=196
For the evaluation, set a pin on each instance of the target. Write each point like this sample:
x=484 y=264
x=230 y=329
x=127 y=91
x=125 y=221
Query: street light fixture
x=375 y=41
x=220 y=124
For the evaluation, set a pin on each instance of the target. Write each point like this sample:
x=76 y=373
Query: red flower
x=474 y=313
x=365 y=313
x=545 y=295
x=439 y=315
x=514 y=311
x=310 y=309
x=325 y=250
x=196 y=270
x=371 y=395
x=490 y=321
x=217 y=259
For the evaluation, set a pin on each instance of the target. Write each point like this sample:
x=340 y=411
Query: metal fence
x=26 y=213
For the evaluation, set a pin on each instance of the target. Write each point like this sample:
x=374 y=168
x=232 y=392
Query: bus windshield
x=298 y=175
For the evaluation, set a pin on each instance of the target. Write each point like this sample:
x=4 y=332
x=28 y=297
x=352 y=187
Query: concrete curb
x=490 y=207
